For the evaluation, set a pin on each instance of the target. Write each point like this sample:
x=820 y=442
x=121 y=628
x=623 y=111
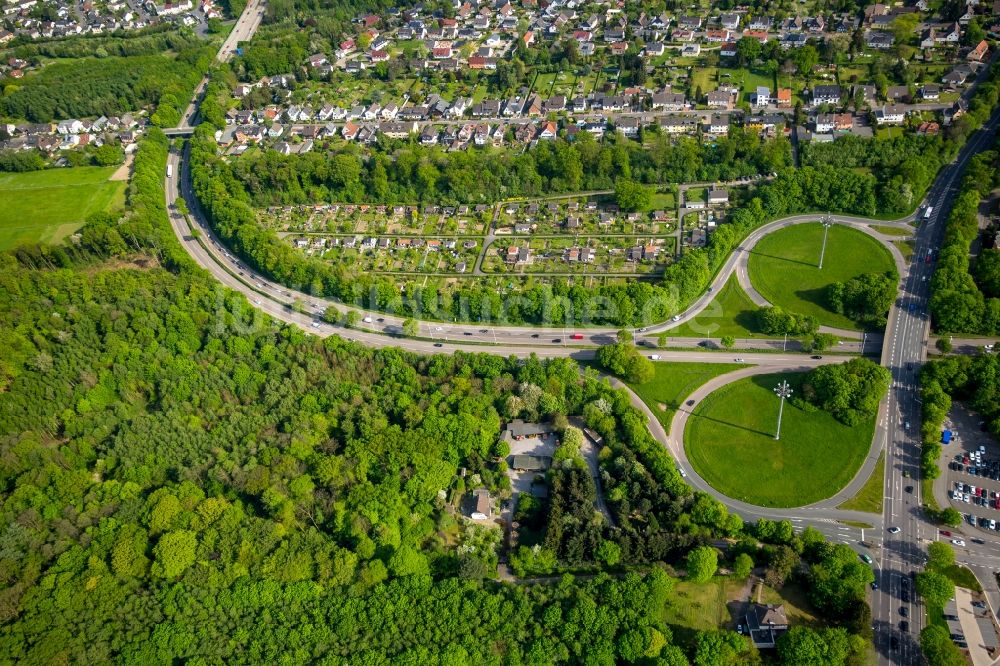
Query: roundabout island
x=730 y=442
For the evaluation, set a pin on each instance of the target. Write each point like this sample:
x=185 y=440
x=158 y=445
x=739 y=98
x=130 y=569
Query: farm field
x=46 y=206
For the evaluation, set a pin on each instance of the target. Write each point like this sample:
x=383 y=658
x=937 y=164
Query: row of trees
x=957 y=304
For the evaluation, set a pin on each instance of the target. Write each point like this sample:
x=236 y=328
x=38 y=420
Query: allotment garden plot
x=581 y=236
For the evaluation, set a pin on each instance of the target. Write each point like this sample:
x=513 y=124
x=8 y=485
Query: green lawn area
x=731 y=312
x=892 y=231
x=869 y=498
x=784 y=267
x=702 y=606
x=673 y=382
x=696 y=194
x=905 y=247
x=704 y=78
x=730 y=441
x=663 y=201
x=46 y=206
x=705 y=606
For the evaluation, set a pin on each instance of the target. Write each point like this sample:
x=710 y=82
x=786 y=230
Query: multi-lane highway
x=903 y=349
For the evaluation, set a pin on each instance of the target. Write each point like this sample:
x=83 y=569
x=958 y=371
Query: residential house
x=826 y=94
x=719 y=99
x=717 y=124
x=629 y=126
x=978 y=54
x=876 y=39
x=669 y=101
x=762 y=96
x=766 y=623
x=718 y=197
x=930 y=92
x=824 y=123
x=678 y=124
x=784 y=98
x=890 y=114
x=728 y=50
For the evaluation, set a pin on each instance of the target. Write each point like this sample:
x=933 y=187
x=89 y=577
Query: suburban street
x=904 y=347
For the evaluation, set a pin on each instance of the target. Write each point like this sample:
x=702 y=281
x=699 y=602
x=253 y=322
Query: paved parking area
x=972 y=473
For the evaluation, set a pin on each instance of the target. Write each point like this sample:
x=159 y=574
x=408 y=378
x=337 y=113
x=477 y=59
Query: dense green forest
x=111 y=86
x=185 y=480
x=958 y=304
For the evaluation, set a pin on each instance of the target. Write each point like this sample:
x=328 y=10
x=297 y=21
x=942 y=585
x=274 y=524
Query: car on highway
x=556 y=339
x=738 y=359
x=675 y=318
x=894 y=530
x=534 y=335
x=438 y=344
x=958 y=542
x=654 y=357
x=690 y=402
x=466 y=332
x=816 y=358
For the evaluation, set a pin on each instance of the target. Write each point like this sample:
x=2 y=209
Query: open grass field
x=702 y=606
x=783 y=267
x=731 y=312
x=46 y=206
x=730 y=441
x=719 y=603
x=869 y=498
x=673 y=382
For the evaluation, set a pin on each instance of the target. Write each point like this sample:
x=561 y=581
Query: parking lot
x=973 y=470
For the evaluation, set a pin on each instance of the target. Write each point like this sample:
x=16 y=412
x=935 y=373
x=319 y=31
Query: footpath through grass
x=673 y=382
x=46 y=206
x=731 y=312
x=730 y=442
x=869 y=498
x=784 y=267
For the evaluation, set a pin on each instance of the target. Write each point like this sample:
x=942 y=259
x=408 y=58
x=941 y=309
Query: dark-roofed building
x=766 y=623
x=482 y=508
x=518 y=429
x=527 y=463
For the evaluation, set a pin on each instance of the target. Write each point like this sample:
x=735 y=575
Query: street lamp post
x=783 y=390
x=827 y=223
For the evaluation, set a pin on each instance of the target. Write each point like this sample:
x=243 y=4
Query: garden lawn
x=702 y=606
x=731 y=312
x=730 y=442
x=869 y=498
x=46 y=206
x=783 y=267
x=673 y=382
